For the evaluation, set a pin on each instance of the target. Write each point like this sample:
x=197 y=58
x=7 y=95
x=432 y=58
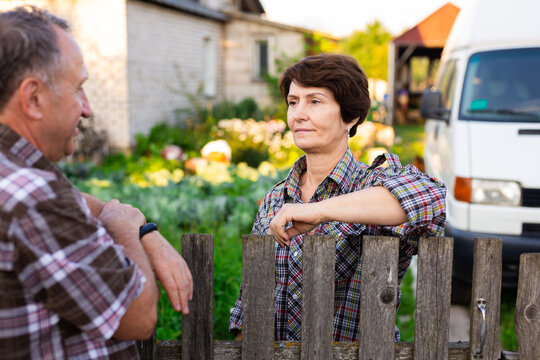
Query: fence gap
x=378 y=296
x=527 y=315
x=432 y=314
x=198 y=325
x=318 y=262
x=258 y=281
x=486 y=291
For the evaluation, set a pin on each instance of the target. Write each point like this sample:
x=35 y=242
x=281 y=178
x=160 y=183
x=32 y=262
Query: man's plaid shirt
x=421 y=197
x=64 y=284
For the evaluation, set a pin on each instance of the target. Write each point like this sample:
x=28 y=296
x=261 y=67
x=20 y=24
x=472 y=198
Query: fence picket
x=486 y=285
x=378 y=296
x=258 y=279
x=198 y=325
x=432 y=314
x=318 y=264
x=147 y=348
x=527 y=315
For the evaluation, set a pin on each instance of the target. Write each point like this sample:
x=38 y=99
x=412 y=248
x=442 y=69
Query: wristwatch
x=147 y=228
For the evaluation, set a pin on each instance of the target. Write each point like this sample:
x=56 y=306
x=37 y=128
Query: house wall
x=239 y=48
x=99 y=27
x=165 y=58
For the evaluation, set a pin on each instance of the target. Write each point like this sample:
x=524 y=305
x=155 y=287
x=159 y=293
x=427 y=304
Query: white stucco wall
x=160 y=41
x=239 y=56
x=99 y=27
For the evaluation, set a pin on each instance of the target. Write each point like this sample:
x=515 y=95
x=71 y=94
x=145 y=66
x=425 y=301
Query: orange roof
x=433 y=30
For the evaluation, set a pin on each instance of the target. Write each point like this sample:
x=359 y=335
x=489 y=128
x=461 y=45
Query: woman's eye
x=292 y=102
x=315 y=101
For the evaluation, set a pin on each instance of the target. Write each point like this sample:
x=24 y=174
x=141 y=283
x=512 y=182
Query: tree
x=370 y=48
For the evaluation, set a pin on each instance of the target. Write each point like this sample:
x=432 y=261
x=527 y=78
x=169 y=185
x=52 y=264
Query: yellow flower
x=98 y=183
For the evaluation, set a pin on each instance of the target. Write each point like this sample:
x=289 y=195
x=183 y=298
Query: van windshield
x=502 y=86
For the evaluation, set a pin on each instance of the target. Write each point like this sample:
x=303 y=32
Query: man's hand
x=168 y=266
x=304 y=218
x=170 y=269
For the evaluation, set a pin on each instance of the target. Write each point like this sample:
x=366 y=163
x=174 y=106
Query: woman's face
x=314 y=118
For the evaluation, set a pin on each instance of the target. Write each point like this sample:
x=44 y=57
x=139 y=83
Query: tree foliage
x=370 y=48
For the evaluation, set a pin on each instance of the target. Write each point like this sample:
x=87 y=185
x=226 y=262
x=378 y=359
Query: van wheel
x=461 y=292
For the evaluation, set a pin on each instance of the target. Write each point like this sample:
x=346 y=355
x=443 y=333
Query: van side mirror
x=431 y=107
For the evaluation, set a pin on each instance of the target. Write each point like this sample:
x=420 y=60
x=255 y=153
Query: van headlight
x=493 y=192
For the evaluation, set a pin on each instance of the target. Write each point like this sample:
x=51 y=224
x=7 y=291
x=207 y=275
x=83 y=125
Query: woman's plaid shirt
x=421 y=197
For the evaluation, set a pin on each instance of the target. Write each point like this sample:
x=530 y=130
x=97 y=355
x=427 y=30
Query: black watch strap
x=147 y=228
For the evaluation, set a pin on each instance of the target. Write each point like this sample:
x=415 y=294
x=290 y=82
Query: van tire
x=461 y=292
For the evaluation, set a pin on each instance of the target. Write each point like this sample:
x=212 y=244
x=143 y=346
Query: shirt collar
x=342 y=174
x=21 y=149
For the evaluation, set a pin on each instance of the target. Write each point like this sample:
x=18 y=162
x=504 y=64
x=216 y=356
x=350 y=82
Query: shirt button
x=295 y=296
x=296 y=253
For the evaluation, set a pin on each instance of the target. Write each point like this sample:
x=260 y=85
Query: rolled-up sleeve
x=423 y=198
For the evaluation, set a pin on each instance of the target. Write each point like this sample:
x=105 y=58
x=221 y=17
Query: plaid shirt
x=65 y=284
x=421 y=197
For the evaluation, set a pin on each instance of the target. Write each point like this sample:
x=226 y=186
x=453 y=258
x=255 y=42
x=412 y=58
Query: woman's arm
x=375 y=206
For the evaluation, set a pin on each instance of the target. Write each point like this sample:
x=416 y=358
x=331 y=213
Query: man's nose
x=86 y=110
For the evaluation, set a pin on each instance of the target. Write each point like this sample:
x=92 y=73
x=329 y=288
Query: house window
x=209 y=67
x=260 y=59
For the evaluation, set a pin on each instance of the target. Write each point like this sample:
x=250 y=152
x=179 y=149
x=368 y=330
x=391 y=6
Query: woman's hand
x=304 y=218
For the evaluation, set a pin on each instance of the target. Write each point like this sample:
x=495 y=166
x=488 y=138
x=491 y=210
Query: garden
x=209 y=177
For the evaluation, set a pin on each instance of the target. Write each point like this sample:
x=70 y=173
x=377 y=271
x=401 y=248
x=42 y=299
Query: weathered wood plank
x=432 y=314
x=318 y=262
x=232 y=350
x=147 y=348
x=527 y=314
x=258 y=278
x=486 y=291
x=198 y=325
x=378 y=296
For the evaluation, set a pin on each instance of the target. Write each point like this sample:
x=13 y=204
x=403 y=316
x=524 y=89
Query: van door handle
x=529 y=131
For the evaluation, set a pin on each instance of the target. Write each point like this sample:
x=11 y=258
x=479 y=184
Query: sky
x=342 y=17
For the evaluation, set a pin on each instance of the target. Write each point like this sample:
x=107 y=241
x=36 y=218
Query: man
x=76 y=280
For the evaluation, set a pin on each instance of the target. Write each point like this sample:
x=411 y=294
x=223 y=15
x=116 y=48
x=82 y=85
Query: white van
x=483 y=132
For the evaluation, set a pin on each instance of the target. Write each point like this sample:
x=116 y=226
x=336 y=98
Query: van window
x=502 y=86
x=447 y=84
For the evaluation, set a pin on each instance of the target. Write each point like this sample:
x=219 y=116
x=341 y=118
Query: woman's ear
x=31 y=94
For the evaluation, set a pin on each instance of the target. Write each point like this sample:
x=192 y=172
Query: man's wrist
x=146 y=229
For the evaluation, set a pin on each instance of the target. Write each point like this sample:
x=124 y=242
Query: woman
x=328 y=192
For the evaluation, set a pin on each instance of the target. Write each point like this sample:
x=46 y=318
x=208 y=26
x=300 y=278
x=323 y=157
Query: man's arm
x=122 y=223
x=169 y=267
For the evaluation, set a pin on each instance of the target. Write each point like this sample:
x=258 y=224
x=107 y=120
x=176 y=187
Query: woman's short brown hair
x=340 y=74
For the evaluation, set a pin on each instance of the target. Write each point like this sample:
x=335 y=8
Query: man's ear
x=31 y=93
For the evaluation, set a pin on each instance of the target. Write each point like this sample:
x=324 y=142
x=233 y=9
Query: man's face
x=66 y=101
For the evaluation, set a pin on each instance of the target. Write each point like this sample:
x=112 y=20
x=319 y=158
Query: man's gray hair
x=28 y=45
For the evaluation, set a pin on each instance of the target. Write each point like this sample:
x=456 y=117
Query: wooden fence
x=377 y=310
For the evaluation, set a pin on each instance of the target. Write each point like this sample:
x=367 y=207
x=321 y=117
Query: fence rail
x=377 y=309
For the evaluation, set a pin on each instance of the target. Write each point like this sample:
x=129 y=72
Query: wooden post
x=486 y=293
x=527 y=315
x=318 y=262
x=198 y=325
x=378 y=296
x=258 y=279
x=147 y=348
x=433 y=284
